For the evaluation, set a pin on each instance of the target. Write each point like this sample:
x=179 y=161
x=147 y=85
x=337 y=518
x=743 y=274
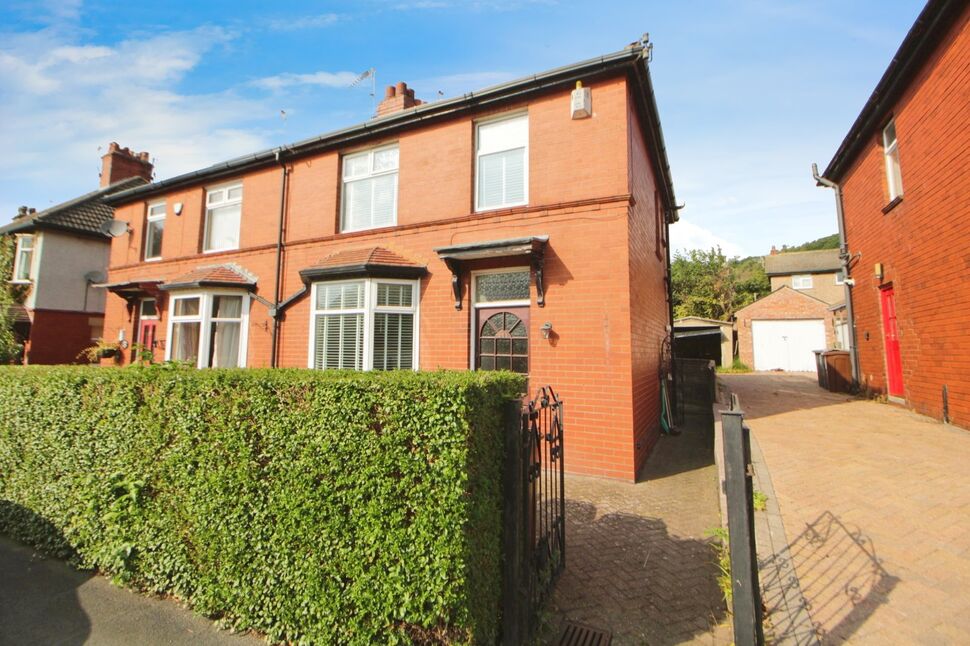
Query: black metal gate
x=535 y=510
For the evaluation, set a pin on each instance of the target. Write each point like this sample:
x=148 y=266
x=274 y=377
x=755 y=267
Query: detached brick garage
x=780 y=331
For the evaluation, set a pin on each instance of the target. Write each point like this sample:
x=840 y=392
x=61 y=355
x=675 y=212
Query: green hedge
x=313 y=507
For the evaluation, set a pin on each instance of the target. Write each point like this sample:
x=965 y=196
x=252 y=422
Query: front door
x=502 y=339
x=148 y=325
x=894 y=364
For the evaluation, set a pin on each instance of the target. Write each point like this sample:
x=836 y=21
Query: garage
x=787 y=344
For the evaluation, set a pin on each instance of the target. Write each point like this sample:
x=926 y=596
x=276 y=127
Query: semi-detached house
x=522 y=227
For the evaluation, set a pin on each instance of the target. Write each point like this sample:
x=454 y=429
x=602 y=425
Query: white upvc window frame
x=371 y=174
x=151 y=218
x=840 y=277
x=525 y=162
x=19 y=266
x=802 y=281
x=523 y=302
x=211 y=191
x=890 y=152
x=369 y=309
x=205 y=319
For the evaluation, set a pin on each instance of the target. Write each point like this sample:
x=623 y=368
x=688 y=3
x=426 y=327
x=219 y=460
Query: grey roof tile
x=802 y=262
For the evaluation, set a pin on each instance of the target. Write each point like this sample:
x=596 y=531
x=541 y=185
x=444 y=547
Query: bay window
x=208 y=329
x=222 y=217
x=23 y=258
x=369 y=191
x=502 y=163
x=366 y=324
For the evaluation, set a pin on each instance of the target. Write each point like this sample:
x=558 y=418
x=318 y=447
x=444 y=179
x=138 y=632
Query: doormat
x=575 y=634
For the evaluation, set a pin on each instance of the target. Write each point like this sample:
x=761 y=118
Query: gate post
x=514 y=602
x=740 y=510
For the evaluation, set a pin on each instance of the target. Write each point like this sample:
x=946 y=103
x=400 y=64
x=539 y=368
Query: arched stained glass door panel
x=503 y=339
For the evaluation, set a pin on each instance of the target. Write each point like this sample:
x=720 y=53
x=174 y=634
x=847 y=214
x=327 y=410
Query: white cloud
x=685 y=235
x=303 y=22
x=320 y=79
x=62 y=99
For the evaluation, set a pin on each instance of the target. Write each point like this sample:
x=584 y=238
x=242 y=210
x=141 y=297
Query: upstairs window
x=154 y=228
x=222 y=215
x=369 y=195
x=890 y=150
x=366 y=324
x=23 y=259
x=803 y=281
x=502 y=163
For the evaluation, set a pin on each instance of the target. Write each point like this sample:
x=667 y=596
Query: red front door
x=146 y=334
x=894 y=364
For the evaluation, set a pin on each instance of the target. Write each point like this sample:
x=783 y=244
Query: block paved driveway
x=876 y=506
x=639 y=562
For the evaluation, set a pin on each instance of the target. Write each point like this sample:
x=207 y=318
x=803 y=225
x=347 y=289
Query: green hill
x=828 y=242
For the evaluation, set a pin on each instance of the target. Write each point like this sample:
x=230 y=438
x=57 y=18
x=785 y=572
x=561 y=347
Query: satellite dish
x=114 y=228
x=95 y=277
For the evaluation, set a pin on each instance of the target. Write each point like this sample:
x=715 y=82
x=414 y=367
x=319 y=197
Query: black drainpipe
x=275 y=313
x=845 y=259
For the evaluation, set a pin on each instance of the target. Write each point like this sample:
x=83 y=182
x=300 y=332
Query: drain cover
x=579 y=635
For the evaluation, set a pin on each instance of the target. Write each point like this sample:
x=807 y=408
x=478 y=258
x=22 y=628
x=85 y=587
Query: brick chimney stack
x=774 y=252
x=396 y=98
x=120 y=163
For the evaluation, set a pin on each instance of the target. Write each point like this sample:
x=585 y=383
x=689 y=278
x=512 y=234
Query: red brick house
x=521 y=227
x=903 y=175
x=61 y=257
x=782 y=330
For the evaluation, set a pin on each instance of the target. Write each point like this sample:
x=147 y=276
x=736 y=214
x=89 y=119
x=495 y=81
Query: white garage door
x=787 y=345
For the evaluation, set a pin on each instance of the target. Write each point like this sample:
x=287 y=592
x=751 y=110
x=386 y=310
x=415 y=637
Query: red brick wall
x=784 y=304
x=579 y=195
x=58 y=336
x=923 y=241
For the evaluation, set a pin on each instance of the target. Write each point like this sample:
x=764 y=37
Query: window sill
x=892 y=205
x=20 y=282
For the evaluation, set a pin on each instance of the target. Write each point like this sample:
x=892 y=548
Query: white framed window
x=366 y=324
x=148 y=309
x=209 y=329
x=369 y=196
x=890 y=151
x=223 y=212
x=154 y=228
x=840 y=277
x=802 y=281
x=502 y=162
x=23 y=259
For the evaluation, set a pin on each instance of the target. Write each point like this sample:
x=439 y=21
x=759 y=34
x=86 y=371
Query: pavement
x=45 y=601
x=875 y=504
x=639 y=559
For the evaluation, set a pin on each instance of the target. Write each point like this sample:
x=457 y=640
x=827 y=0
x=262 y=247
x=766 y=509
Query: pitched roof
x=83 y=214
x=782 y=291
x=370 y=261
x=228 y=275
x=802 y=262
x=922 y=40
x=631 y=60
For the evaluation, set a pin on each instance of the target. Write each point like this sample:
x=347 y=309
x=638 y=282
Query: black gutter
x=365 y=269
x=921 y=41
x=627 y=59
x=199 y=284
x=279 y=259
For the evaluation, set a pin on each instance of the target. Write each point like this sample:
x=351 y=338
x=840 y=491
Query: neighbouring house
x=696 y=337
x=521 y=227
x=782 y=330
x=903 y=174
x=61 y=257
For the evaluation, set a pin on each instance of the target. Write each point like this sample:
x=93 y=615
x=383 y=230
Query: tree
x=708 y=284
x=9 y=296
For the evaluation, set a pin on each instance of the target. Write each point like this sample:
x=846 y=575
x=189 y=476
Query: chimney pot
x=402 y=87
x=389 y=92
x=21 y=211
x=774 y=252
x=121 y=163
x=396 y=98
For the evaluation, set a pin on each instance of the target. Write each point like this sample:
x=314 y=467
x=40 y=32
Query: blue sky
x=750 y=92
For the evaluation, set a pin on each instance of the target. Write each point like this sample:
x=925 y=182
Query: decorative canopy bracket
x=454 y=265
x=532 y=248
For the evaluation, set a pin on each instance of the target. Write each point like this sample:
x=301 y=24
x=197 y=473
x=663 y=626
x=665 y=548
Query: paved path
x=44 y=601
x=638 y=559
x=876 y=506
